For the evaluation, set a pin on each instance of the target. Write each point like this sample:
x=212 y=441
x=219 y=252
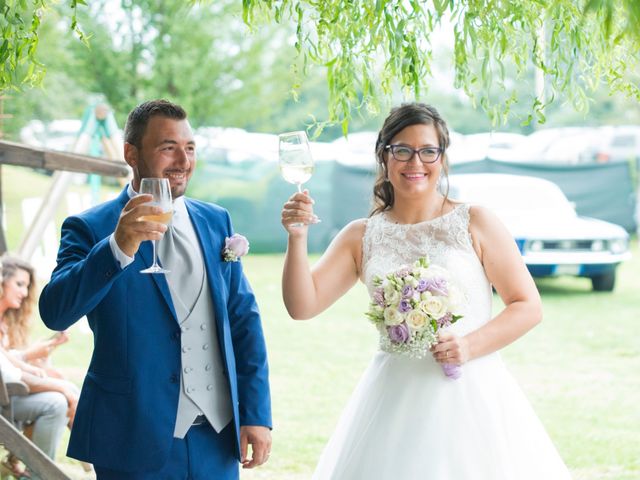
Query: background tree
x=370 y=48
x=369 y=55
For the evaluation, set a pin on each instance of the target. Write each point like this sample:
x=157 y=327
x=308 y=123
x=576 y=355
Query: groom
x=178 y=385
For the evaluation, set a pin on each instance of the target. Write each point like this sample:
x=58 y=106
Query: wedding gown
x=406 y=420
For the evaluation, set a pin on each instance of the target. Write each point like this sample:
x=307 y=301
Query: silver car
x=552 y=238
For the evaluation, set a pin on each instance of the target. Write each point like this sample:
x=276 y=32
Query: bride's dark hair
x=400 y=118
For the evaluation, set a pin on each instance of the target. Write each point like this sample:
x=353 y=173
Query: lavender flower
x=405 y=306
x=403 y=272
x=422 y=285
x=378 y=296
x=445 y=320
x=407 y=291
x=399 y=333
x=437 y=286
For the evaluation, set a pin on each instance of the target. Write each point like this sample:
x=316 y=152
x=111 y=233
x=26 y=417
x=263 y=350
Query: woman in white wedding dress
x=406 y=420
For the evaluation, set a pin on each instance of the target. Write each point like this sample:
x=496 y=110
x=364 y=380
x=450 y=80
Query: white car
x=552 y=238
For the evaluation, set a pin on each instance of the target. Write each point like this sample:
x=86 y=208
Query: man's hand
x=260 y=440
x=131 y=231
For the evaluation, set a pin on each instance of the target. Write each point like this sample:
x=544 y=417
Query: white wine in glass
x=160 y=189
x=295 y=160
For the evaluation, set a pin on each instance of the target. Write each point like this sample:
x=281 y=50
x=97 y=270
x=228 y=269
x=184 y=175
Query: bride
x=406 y=419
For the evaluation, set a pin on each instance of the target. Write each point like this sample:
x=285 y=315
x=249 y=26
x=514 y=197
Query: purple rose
x=445 y=320
x=403 y=272
x=422 y=285
x=378 y=296
x=437 y=286
x=407 y=291
x=399 y=333
x=405 y=306
x=235 y=247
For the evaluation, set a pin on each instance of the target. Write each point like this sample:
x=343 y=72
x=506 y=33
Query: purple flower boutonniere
x=235 y=247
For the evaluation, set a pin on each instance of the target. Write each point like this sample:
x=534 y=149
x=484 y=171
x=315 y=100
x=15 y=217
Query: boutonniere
x=235 y=247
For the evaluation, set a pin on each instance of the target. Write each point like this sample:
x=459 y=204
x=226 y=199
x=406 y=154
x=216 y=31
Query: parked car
x=565 y=145
x=619 y=143
x=552 y=238
x=478 y=146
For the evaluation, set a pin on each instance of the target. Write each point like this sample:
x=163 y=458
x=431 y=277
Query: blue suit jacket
x=127 y=410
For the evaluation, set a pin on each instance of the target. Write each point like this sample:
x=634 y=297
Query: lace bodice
x=447 y=242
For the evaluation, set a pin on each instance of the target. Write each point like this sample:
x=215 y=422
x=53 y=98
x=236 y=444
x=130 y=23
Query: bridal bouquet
x=410 y=305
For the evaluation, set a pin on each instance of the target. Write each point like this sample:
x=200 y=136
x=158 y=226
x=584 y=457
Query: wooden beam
x=32 y=456
x=12 y=153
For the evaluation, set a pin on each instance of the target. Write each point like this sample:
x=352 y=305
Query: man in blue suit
x=177 y=386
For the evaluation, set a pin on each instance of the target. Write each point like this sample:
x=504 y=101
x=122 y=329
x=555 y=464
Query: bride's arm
x=507 y=272
x=307 y=292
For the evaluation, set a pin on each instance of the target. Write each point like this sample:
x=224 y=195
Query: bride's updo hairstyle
x=400 y=118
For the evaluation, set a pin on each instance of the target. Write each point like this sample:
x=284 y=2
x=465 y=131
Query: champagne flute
x=160 y=189
x=296 y=163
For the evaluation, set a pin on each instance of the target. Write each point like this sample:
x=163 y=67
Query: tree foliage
x=136 y=50
x=371 y=48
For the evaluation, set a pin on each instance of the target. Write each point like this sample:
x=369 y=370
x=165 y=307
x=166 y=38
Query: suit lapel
x=207 y=243
x=212 y=257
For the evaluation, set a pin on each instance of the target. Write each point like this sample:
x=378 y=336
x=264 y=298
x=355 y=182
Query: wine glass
x=160 y=189
x=296 y=163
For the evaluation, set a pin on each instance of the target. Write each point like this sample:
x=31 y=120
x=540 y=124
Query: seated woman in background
x=17 y=298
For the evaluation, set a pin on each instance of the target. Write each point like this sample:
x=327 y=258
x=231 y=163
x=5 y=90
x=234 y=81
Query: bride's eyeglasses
x=402 y=153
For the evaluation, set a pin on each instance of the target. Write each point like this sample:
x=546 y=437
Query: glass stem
x=155 y=259
x=299 y=187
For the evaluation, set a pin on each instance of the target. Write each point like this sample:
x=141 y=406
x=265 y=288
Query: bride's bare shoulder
x=351 y=235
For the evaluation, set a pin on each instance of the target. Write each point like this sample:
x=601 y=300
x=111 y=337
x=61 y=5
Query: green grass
x=579 y=369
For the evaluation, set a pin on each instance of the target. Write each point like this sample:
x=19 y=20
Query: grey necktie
x=179 y=252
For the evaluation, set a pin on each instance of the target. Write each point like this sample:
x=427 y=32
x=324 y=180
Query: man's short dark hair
x=140 y=116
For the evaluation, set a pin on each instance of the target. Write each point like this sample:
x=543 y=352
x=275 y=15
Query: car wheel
x=604 y=282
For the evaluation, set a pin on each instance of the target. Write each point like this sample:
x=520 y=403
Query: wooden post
x=3 y=240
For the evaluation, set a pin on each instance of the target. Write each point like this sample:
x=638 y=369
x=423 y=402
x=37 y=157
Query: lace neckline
x=385 y=218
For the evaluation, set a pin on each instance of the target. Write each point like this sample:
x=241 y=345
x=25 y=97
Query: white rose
x=417 y=320
x=392 y=297
x=434 y=306
x=426 y=295
x=393 y=317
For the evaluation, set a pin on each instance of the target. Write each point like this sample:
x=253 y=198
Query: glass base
x=155 y=269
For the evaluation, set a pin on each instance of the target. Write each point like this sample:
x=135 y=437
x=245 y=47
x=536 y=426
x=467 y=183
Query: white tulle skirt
x=407 y=421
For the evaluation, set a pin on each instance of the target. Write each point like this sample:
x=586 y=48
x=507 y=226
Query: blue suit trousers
x=202 y=454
